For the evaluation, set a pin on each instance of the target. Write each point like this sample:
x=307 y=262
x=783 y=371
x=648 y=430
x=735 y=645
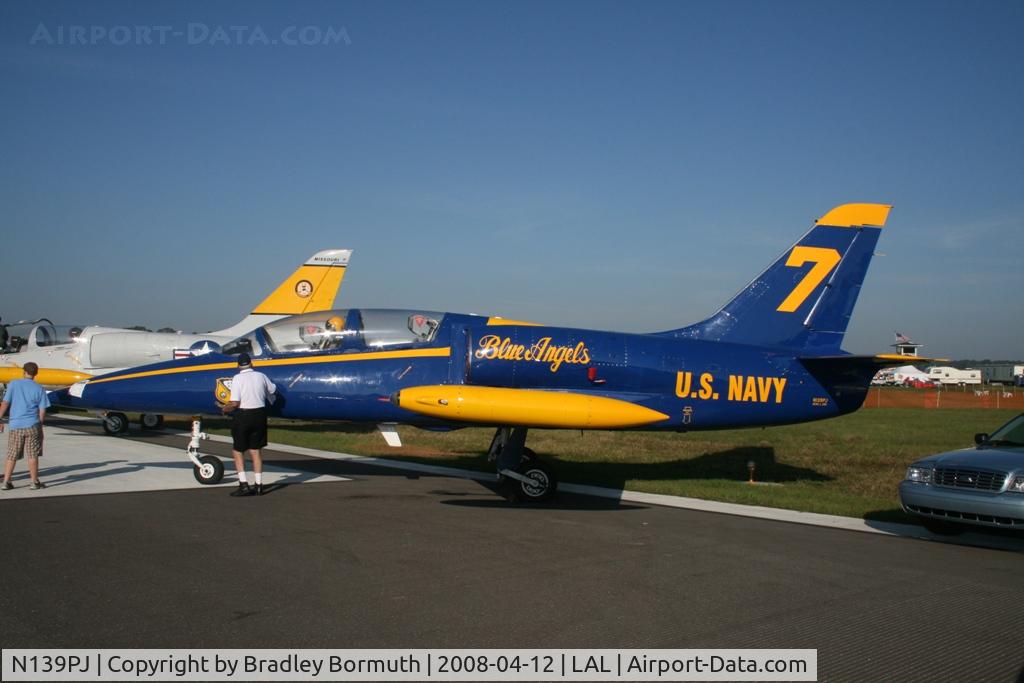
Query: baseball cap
x=243 y=360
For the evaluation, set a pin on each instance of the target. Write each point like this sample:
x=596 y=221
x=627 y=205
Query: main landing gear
x=521 y=474
x=151 y=421
x=207 y=469
x=116 y=424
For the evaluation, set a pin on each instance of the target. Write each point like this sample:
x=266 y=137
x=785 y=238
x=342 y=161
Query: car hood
x=984 y=457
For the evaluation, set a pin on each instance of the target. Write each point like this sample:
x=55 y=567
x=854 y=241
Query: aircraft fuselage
x=692 y=384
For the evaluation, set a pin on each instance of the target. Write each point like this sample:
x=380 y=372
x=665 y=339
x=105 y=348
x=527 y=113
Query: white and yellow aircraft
x=72 y=354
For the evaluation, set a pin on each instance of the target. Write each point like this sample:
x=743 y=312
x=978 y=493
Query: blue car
x=983 y=485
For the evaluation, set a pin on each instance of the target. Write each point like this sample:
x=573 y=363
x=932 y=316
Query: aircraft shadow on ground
x=63 y=475
x=727 y=465
x=563 y=501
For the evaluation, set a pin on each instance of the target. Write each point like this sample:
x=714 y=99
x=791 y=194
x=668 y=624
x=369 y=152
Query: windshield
x=343 y=331
x=1010 y=434
x=246 y=344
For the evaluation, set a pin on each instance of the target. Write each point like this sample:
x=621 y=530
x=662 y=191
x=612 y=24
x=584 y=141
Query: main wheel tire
x=151 y=421
x=115 y=424
x=544 y=483
x=210 y=470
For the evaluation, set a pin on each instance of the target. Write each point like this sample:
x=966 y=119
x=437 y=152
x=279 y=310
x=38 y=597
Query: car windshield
x=1010 y=434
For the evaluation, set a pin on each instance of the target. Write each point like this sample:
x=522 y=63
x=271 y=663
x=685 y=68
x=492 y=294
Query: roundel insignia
x=203 y=347
x=304 y=288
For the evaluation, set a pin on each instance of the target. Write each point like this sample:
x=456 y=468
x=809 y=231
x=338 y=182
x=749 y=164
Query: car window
x=1011 y=433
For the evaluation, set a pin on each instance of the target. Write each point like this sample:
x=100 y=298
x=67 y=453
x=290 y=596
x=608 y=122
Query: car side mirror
x=980 y=438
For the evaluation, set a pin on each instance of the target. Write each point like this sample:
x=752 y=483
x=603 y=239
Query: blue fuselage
x=698 y=384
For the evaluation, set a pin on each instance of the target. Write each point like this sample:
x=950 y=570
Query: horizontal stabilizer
x=846 y=378
x=883 y=360
x=524 y=407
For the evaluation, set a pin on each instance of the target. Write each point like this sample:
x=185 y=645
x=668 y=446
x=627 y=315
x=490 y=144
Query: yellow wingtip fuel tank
x=48 y=377
x=525 y=407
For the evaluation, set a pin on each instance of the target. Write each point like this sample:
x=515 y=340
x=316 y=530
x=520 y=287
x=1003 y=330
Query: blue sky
x=610 y=165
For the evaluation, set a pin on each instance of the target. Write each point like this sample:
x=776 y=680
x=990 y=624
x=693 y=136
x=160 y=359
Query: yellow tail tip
x=856 y=215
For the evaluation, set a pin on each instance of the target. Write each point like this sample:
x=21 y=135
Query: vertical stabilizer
x=805 y=298
x=310 y=288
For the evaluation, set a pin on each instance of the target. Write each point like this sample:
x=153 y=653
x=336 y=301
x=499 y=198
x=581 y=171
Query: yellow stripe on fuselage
x=339 y=358
x=499 y=322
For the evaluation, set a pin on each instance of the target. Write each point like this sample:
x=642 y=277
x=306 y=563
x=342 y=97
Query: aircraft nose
x=60 y=397
x=72 y=397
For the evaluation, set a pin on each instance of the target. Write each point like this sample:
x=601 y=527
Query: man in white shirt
x=250 y=392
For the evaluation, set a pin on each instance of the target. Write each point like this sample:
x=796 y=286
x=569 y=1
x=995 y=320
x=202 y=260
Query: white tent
x=908 y=372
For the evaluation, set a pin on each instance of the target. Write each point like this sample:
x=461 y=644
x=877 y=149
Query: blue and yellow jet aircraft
x=770 y=356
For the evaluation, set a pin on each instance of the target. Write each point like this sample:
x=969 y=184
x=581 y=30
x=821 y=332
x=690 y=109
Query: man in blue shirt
x=28 y=403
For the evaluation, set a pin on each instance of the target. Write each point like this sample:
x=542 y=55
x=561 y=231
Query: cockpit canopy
x=340 y=330
x=39 y=333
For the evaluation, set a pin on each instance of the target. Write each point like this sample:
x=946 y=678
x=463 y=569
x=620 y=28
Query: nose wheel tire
x=115 y=424
x=210 y=470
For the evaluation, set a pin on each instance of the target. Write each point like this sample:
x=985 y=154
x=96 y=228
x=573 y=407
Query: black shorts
x=249 y=429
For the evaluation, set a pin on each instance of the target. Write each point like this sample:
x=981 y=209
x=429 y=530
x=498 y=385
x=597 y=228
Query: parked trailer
x=955 y=376
x=1002 y=373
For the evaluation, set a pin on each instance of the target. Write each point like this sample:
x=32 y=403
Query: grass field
x=847 y=466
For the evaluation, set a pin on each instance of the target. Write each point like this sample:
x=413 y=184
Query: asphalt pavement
x=345 y=554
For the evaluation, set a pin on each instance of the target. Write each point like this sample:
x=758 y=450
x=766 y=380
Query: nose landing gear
x=207 y=469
